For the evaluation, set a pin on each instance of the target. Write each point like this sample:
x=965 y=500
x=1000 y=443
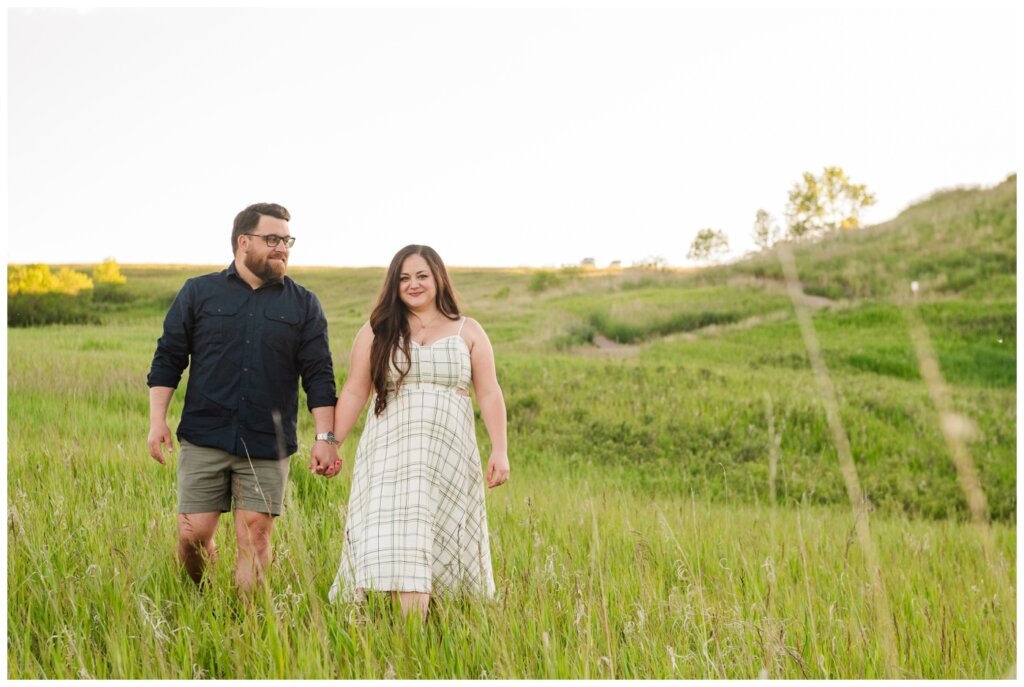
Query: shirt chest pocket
x=281 y=330
x=216 y=324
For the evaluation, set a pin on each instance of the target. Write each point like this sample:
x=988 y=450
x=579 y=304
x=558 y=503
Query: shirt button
x=247 y=341
x=250 y=314
x=245 y=369
x=243 y=398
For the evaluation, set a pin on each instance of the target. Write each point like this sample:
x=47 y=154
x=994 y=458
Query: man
x=251 y=332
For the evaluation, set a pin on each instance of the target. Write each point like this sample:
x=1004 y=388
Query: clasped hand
x=324 y=459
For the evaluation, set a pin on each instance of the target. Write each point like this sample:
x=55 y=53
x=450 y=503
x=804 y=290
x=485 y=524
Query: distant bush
x=577 y=335
x=642 y=283
x=542 y=281
x=503 y=292
x=36 y=296
x=34 y=309
x=29 y=279
x=653 y=280
x=108 y=272
x=107 y=293
x=654 y=263
x=110 y=283
x=39 y=279
x=832 y=291
x=629 y=332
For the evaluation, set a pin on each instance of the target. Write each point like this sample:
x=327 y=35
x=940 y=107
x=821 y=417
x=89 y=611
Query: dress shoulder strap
x=462 y=324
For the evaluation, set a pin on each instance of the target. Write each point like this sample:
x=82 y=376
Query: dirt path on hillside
x=605 y=346
x=609 y=347
x=812 y=302
x=818 y=302
x=719 y=329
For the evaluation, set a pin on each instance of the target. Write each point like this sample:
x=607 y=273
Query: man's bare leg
x=252 y=531
x=195 y=542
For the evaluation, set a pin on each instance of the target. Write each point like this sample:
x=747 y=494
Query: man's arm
x=317 y=371
x=169 y=362
x=159 y=432
x=314 y=360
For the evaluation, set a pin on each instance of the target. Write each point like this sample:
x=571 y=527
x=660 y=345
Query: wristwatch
x=328 y=437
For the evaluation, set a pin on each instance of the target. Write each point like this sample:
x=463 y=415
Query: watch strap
x=327 y=436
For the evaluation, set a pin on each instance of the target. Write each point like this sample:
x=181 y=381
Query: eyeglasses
x=273 y=239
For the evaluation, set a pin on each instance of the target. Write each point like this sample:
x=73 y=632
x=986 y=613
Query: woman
x=416 y=518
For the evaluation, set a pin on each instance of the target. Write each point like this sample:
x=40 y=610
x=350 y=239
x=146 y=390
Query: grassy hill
x=638 y=536
x=685 y=407
x=958 y=243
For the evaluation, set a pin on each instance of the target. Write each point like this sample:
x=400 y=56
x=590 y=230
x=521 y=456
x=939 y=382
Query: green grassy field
x=644 y=533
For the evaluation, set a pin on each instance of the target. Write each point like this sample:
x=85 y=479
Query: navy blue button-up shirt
x=248 y=348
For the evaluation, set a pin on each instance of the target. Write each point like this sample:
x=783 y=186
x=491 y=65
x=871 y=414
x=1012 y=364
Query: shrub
x=29 y=279
x=108 y=272
x=112 y=293
x=36 y=296
x=603 y=322
x=577 y=335
x=542 y=281
x=110 y=283
x=34 y=309
x=38 y=279
x=71 y=283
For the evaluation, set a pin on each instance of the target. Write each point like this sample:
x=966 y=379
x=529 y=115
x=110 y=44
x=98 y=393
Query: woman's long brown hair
x=391 y=326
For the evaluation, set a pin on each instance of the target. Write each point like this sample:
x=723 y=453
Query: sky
x=507 y=136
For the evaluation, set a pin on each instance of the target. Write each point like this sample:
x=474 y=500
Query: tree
x=29 y=279
x=108 y=272
x=653 y=263
x=38 y=279
x=36 y=295
x=708 y=245
x=766 y=231
x=824 y=204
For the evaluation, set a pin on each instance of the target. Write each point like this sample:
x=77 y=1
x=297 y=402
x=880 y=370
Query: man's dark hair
x=247 y=219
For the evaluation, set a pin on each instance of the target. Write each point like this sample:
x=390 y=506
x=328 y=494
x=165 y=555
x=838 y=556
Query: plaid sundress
x=416 y=514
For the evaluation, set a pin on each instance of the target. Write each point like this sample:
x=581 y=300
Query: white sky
x=501 y=137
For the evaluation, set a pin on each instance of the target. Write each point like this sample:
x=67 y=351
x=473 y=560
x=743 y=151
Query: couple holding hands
x=417 y=522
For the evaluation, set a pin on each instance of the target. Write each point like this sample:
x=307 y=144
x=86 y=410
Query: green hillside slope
x=668 y=383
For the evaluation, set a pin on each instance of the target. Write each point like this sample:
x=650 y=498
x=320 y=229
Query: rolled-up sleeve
x=315 y=364
x=172 y=348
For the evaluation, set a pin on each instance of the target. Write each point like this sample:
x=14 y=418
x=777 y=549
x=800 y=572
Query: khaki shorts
x=208 y=479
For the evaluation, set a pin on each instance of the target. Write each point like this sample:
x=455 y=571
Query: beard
x=268 y=271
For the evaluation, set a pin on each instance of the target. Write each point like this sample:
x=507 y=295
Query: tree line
x=36 y=295
x=817 y=206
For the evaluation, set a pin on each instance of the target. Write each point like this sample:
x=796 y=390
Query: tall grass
x=591 y=583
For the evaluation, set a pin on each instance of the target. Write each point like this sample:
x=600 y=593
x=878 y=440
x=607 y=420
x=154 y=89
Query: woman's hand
x=497 y=470
x=324 y=459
